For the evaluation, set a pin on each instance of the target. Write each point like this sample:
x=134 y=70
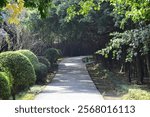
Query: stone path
x=72 y=82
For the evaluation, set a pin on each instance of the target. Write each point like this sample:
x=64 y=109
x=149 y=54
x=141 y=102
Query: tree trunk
x=122 y=68
x=140 y=71
x=148 y=64
x=129 y=72
x=13 y=94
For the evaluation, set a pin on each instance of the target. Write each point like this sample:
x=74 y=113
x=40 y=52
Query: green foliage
x=5 y=86
x=30 y=55
x=3 y=3
x=76 y=36
x=43 y=6
x=130 y=42
x=137 y=10
x=20 y=68
x=82 y=7
x=44 y=61
x=41 y=72
x=52 y=55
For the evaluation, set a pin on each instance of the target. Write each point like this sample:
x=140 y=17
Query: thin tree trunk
x=148 y=64
x=129 y=72
x=140 y=71
x=13 y=94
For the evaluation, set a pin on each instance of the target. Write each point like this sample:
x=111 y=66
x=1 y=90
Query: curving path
x=72 y=82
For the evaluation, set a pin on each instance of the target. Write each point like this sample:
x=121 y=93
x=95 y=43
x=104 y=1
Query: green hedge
x=5 y=86
x=30 y=55
x=20 y=68
x=41 y=72
x=44 y=61
x=52 y=55
x=18 y=71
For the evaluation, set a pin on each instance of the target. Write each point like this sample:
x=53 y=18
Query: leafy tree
x=136 y=40
x=136 y=10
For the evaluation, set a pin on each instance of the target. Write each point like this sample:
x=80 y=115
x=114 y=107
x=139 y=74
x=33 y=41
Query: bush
x=30 y=55
x=52 y=55
x=5 y=86
x=44 y=61
x=20 y=68
x=41 y=72
x=40 y=69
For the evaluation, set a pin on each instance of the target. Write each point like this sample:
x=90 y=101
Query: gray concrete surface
x=72 y=82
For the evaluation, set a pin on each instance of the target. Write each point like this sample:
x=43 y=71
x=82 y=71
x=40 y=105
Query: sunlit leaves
x=82 y=7
x=15 y=10
x=87 y=6
x=72 y=12
x=136 y=10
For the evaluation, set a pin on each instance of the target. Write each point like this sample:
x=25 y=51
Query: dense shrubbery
x=5 y=86
x=20 y=68
x=30 y=55
x=52 y=55
x=44 y=61
x=40 y=69
x=41 y=72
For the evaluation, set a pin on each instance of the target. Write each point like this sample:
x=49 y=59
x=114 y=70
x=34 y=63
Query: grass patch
x=30 y=94
x=102 y=81
x=36 y=89
x=137 y=93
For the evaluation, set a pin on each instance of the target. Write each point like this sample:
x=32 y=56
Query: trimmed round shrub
x=30 y=55
x=40 y=69
x=5 y=86
x=20 y=68
x=44 y=61
x=52 y=55
x=41 y=73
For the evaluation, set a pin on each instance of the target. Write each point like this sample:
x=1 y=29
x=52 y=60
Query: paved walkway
x=72 y=82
